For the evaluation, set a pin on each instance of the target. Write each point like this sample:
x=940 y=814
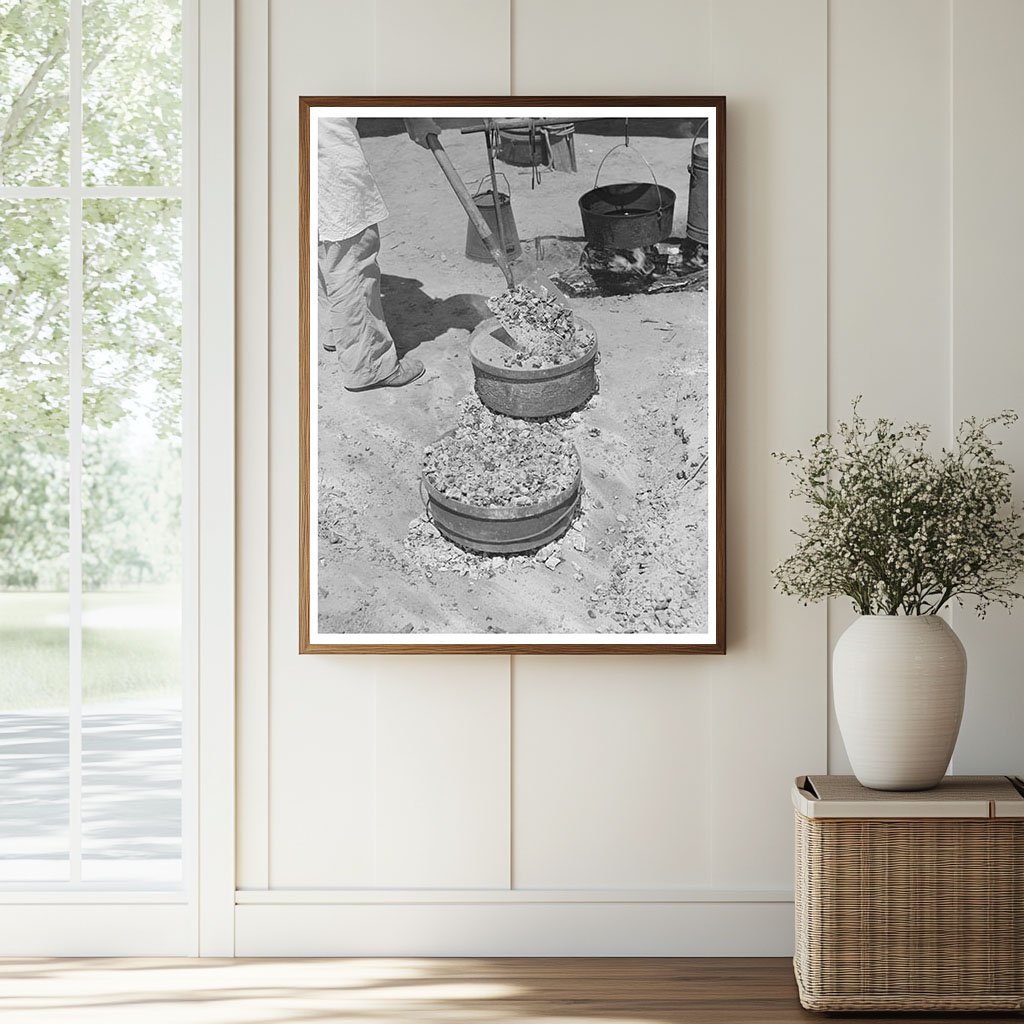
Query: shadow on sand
x=414 y=317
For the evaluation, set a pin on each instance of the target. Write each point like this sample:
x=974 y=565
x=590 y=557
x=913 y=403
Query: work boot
x=406 y=372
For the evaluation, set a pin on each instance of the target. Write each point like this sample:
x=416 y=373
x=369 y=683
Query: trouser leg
x=323 y=320
x=350 y=307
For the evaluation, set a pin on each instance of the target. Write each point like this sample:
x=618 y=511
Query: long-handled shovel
x=496 y=246
x=475 y=216
x=529 y=273
x=531 y=278
x=535 y=281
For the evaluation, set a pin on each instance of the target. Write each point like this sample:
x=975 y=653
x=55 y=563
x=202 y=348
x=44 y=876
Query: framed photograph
x=512 y=375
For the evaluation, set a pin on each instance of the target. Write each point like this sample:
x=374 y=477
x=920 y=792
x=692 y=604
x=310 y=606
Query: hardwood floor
x=387 y=991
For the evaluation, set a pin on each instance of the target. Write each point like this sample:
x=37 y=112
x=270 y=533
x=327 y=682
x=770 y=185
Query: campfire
x=674 y=265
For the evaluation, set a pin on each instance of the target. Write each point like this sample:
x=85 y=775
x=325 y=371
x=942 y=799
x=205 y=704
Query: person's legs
x=350 y=307
x=323 y=314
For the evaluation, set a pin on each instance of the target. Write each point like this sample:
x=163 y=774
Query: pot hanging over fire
x=629 y=214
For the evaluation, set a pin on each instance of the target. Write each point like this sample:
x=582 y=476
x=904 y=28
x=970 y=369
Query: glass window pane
x=131 y=541
x=131 y=744
x=131 y=92
x=33 y=92
x=33 y=540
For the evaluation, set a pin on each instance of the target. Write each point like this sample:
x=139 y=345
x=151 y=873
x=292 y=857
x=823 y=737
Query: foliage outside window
x=131 y=303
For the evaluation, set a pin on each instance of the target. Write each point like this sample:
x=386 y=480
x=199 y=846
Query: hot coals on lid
x=493 y=461
x=545 y=333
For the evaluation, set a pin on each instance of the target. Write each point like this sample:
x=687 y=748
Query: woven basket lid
x=957 y=796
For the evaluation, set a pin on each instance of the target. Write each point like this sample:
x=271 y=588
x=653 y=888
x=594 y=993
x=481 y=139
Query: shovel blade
x=533 y=279
x=500 y=334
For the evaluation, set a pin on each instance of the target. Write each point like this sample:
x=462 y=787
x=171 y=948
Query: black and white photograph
x=512 y=375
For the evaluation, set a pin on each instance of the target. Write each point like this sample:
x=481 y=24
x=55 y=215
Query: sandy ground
x=636 y=558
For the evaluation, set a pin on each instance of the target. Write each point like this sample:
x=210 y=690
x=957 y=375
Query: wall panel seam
x=950 y=341
x=511 y=711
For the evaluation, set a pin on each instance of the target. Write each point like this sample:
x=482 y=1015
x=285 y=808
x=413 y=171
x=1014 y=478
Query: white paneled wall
x=626 y=805
x=889 y=241
x=987 y=356
x=768 y=694
x=889 y=208
x=442 y=48
x=612 y=775
x=580 y=48
x=442 y=798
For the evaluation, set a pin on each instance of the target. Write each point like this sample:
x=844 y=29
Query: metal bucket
x=697 y=211
x=507 y=530
x=526 y=393
x=552 y=146
x=627 y=215
x=484 y=201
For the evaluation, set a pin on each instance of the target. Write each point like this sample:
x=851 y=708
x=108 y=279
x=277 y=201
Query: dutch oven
x=629 y=214
x=531 y=393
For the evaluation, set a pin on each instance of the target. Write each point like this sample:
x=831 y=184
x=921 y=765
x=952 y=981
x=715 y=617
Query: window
x=95 y=464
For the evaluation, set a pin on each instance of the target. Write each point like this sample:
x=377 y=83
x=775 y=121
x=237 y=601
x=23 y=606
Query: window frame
x=76 y=918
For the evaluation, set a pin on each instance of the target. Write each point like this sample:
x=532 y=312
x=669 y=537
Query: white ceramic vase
x=898 y=684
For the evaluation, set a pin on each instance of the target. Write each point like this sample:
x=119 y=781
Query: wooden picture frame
x=316 y=557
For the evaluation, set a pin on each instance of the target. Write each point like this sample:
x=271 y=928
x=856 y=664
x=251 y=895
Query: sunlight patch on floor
x=186 y=991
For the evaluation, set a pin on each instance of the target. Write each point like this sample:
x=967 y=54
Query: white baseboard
x=513 y=928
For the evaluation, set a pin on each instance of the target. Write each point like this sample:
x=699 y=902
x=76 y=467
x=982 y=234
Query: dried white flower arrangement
x=900 y=530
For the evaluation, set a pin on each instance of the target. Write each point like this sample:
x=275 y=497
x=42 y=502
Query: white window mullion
x=96 y=191
x=34 y=192
x=75 y=301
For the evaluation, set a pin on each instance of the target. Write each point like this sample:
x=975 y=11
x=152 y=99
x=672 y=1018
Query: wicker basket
x=910 y=901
